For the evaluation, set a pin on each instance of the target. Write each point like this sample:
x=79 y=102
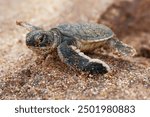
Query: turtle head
x=37 y=39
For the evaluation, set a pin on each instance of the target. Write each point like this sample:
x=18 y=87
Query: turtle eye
x=40 y=38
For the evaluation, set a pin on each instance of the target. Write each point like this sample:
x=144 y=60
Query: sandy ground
x=22 y=76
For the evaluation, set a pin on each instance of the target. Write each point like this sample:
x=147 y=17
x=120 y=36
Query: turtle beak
x=28 y=26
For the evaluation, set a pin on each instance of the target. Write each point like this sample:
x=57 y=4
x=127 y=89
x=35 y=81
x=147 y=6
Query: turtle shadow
x=116 y=63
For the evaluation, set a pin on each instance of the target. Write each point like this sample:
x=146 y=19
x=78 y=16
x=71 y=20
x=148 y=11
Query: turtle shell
x=86 y=31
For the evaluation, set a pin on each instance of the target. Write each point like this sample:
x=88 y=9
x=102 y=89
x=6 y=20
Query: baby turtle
x=71 y=40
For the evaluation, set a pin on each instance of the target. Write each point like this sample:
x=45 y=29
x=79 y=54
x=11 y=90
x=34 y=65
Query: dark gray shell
x=86 y=31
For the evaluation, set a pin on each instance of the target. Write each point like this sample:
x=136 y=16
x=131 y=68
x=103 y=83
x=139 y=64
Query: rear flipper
x=73 y=57
x=120 y=47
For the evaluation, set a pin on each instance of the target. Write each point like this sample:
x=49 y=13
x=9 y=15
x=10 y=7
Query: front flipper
x=120 y=47
x=73 y=57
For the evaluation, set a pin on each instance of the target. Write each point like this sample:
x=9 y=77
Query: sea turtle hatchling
x=71 y=40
